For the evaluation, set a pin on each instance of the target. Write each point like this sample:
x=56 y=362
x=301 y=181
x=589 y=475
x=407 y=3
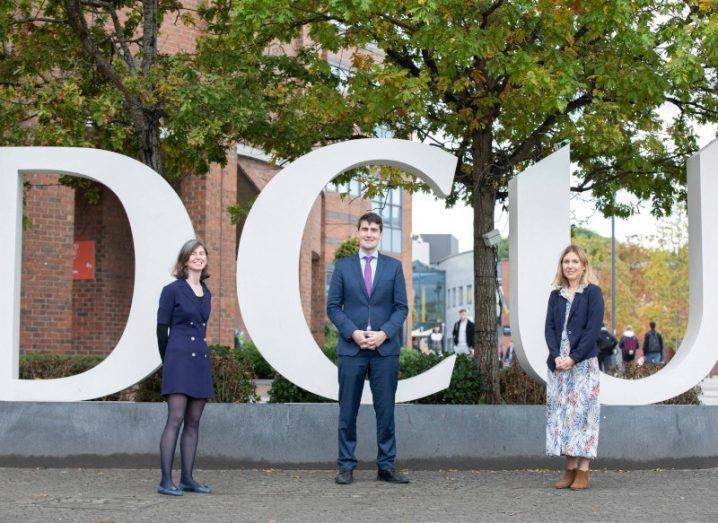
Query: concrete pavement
x=119 y=495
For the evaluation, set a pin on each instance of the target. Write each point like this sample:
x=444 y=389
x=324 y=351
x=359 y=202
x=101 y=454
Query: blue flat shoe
x=199 y=489
x=169 y=491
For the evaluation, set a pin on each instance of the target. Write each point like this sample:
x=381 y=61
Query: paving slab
x=273 y=495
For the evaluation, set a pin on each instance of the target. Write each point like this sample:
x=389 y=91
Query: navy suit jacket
x=349 y=307
x=583 y=327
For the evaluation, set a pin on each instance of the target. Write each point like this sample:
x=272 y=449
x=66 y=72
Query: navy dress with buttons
x=187 y=368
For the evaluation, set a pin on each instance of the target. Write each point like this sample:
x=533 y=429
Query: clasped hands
x=564 y=363
x=369 y=340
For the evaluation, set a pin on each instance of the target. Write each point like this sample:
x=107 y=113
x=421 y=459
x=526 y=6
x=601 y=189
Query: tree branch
x=522 y=152
x=77 y=21
x=681 y=105
x=97 y=3
x=33 y=19
x=486 y=14
x=122 y=41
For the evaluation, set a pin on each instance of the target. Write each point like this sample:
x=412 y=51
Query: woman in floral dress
x=573 y=323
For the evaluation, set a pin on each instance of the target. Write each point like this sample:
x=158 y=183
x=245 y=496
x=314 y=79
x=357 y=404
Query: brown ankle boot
x=581 y=481
x=569 y=477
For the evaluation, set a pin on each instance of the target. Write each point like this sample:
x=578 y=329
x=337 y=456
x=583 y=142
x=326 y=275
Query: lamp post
x=613 y=271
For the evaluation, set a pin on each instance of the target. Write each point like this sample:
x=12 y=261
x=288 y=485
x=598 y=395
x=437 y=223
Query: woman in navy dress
x=182 y=318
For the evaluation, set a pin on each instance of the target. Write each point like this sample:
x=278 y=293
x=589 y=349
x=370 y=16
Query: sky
x=430 y=217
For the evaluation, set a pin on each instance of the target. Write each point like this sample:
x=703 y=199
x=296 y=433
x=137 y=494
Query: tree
x=499 y=84
x=92 y=73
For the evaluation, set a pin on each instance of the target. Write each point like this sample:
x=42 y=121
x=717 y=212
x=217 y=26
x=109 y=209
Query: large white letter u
x=539 y=213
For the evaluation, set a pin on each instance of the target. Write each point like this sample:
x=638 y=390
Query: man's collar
x=363 y=253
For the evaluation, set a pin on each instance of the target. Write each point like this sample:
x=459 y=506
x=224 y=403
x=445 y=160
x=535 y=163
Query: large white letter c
x=267 y=279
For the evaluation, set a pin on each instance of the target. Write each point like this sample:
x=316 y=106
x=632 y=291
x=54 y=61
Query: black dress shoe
x=390 y=476
x=345 y=477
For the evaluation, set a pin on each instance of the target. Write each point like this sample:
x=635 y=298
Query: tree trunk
x=485 y=317
x=150 y=144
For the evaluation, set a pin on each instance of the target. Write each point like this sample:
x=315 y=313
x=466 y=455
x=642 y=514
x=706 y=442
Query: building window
x=351 y=188
x=389 y=208
x=461 y=295
x=469 y=294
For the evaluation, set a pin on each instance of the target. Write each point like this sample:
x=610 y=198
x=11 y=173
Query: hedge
x=233 y=374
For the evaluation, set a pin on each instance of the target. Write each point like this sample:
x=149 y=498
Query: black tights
x=181 y=410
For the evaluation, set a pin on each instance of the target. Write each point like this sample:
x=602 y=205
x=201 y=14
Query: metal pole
x=613 y=275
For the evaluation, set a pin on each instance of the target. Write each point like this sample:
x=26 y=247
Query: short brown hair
x=371 y=217
x=180 y=270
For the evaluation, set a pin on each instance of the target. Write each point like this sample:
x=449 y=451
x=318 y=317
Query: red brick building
x=60 y=314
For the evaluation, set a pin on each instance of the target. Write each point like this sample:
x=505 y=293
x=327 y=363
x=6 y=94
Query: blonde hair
x=587 y=277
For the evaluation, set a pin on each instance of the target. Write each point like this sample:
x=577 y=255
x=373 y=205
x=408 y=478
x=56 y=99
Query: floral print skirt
x=573 y=410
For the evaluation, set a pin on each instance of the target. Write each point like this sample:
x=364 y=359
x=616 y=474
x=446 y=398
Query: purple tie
x=367 y=273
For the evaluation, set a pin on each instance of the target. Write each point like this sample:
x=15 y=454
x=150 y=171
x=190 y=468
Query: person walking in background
x=573 y=323
x=508 y=357
x=184 y=309
x=436 y=340
x=653 y=345
x=628 y=345
x=463 y=334
x=367 y=303
x=606 y=344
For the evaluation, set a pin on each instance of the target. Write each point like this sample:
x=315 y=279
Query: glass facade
x=389 y=208
x=429 y=291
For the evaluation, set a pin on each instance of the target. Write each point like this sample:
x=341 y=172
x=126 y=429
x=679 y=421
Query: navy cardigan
x=583 y=327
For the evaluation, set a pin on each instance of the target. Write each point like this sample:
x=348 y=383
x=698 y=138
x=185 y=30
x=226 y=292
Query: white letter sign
x=267 y=266
x=267 y=263
x=160 y=225
x=539 y=221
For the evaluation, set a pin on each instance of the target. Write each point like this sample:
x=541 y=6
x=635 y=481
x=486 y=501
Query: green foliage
x=251 y=354
x=523 y=75
x=41 y=366
x=284 y=391
x=347 y=248
x=232 y=375
x=238 y=212
x=85 y=74
x=331 y=336
x=466 y=386
x=503 y=249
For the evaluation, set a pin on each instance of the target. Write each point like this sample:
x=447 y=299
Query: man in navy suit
x=367 y=303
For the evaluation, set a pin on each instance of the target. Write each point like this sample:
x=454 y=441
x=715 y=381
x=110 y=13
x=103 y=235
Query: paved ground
x=111 y=495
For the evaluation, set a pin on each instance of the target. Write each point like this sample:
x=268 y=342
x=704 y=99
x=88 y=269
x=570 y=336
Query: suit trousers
x=383 y=377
